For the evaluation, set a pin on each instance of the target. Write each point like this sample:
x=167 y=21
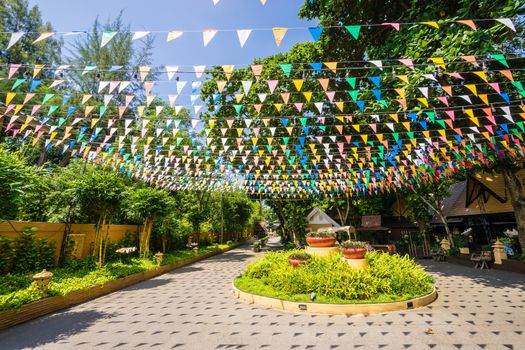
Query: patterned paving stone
x=193 y=308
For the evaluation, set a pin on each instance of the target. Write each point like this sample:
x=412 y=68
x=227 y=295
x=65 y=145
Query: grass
x=16 y=290
x=389 y=278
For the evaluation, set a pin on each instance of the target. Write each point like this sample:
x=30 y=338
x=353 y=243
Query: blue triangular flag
x=316 y=32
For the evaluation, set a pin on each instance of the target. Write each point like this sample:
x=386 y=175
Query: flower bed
x=389 y=278
x=17 y=290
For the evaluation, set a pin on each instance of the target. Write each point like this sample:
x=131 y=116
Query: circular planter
x=354 y=253
x=334 y=309
x=320 y=241
x=295 y=262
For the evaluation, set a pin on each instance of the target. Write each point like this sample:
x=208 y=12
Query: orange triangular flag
x=279 y=34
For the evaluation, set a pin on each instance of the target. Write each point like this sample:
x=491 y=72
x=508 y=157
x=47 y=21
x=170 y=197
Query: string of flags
x=244 y=34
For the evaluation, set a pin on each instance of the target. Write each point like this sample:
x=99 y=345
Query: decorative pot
x=354 y=253
x=295 y=262
x=320 y=241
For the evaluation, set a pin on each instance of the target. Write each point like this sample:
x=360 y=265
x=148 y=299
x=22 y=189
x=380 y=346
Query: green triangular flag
x=431 y=116
x=353 y=94
x=410 y=134
x=52 y=109
x=442 y=123
x=103 y=110
x=396 y=136
x=17 y=83
x=351 y=82
x=47 y=97
x=500 y=58
x=286 y=139
x=238 y=108
x=291 y=160
x=354 y=30
x=303 y=121
x=61 y=121
x=287 y=68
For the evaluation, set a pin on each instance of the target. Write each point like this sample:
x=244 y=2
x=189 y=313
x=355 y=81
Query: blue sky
x=165 y=15
x=68 y=15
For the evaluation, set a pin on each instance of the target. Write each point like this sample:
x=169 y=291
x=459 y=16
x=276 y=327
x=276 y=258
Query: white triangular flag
x=207 y=36
x=215 y=2
x=243 y=35
x=507 y=22
x=263 y=2
x=173 y=35
x=246 y=85
x=171 y=71
x=199 y=70
x=106 y=38
x=377 y=63
x=14 y=38
x=139 y=35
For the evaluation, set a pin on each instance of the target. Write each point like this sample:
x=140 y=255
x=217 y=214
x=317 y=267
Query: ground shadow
x=50 y=329
x=148 y=284
x=489 y=278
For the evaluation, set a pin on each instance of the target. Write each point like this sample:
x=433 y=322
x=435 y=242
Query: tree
x=119 y=52
x=17 y=180
x=147 y=205
x=100 y=195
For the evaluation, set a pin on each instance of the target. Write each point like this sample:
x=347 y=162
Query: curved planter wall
x=334 y=309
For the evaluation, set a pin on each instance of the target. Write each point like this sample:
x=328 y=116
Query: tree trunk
x=441 y=217
x=515 y=189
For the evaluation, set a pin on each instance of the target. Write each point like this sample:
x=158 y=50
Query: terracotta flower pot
x=354 y=253
x=296 y=263
x=320 y=241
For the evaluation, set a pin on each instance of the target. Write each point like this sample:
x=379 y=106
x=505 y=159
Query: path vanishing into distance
x=193 y=308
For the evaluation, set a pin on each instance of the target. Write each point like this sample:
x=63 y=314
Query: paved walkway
x=193 y=308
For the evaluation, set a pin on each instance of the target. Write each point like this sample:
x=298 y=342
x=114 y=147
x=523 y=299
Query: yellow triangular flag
x=9 y=97
x=298 y=84
x=431 y=24
x=438 y=61
x=332 y=66
x=279 y=34
x=228 y=70
x=472 y=88
x=340 y=105
x=221 y=85
x=403 y=78
x=308 y=96
x=482 y=75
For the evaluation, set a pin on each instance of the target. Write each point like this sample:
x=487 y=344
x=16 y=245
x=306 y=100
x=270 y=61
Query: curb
x=334 y=309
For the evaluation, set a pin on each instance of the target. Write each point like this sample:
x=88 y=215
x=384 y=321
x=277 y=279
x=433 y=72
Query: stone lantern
x=499 y=252
x=42 y=279
x=159 y=257
x=445 y=244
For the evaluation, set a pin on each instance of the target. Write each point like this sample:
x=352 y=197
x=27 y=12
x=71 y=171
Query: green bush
x=389 y=277
x=26 y=253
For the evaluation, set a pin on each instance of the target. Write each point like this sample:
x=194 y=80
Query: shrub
x=320 y=234
x=26 y=253
x=354 y=244
x=299 y=256
x=389 y=277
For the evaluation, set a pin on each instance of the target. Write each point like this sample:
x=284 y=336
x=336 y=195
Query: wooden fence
x=81 y=235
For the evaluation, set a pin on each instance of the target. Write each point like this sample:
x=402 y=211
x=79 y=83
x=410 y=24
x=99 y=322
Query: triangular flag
x=354 y=30
x=287 y=68
x=43 y=36
x=243 y=35
x=431 y=24
x=106 y=38
x=394 y=25
x=468 y=22
x=207 y=36
x=316 y=32
x=507 y=22
x=173 y=35
x=14 y=39
x=279 y=34
x=171 y=71
x=139 y=35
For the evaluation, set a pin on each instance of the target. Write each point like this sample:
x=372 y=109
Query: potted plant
x=298 y=259
x=256 y=246
x=464 y=248
x=320 y=239
x=354 y=249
